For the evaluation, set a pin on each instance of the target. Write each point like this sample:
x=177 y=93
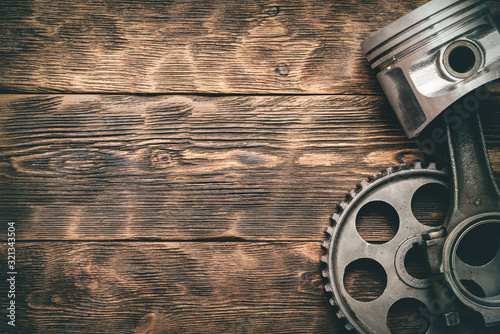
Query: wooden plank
x=138 y=287
x=229 y=46
x=94 y=167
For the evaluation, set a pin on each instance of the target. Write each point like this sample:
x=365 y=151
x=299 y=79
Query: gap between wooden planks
x=228 y=46
x=94 y=167
x=168 y=287
x=242 y=168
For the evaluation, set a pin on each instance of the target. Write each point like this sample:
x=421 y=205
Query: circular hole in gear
x=480 y=245
x=377 y=222
x=408 y=316
x=430 y=204
x=365 y=280
x=473 y=288
x=415 y=263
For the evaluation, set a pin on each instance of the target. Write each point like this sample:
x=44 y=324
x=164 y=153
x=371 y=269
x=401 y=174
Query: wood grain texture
x=232 y=193
x=138 y=287
x=229 y=46
x=93 y=167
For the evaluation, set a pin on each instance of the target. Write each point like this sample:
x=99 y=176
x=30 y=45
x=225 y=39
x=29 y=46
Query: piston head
x=430 y=58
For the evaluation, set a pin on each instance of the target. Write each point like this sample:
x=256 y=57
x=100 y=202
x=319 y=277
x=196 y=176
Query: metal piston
x=433 y=56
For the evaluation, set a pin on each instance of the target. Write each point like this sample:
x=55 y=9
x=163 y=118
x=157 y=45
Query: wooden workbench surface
x=171 y=166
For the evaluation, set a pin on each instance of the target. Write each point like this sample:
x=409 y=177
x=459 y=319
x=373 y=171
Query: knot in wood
x=282 y=69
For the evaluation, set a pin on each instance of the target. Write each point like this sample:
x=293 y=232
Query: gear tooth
x=340 y=314
x=364 y=184
x=325 y=273
x=324 y=259
x=343 y=205
x=335 y=219
x=333 y=302
x=326 y=244
x=352 y=194
x=329 y=231
x=375 y=176
x=403 y=166
x=348 y=326
x=389 y=170
x=432 y=165
x=328 y=287
x=417 y=165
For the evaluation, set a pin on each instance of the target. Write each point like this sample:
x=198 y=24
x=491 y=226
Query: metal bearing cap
x=433 y=56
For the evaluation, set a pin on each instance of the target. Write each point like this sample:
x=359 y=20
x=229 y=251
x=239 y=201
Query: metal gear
x=396 y=188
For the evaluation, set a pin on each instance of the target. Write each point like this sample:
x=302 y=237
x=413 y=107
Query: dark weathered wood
x=139 y=287
x=177 y=168
x=213 y=46
x=222 y=173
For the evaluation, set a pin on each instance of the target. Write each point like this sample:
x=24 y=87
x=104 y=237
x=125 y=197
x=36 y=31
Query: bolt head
x=451 y=319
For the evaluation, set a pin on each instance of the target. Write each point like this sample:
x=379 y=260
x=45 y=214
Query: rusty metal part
x=433 y=56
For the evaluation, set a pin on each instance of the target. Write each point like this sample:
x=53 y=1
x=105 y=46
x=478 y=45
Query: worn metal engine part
x=465 y=249
x=428 y=60
x=397 y=190
x=433 y=56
